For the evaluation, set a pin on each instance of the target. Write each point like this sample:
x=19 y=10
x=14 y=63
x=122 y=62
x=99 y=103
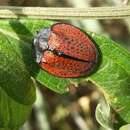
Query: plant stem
x=115 y=12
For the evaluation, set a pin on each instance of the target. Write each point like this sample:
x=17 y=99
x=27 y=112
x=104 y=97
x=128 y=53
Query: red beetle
x=65 y=51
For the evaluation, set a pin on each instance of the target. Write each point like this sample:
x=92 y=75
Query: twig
x=115 y=12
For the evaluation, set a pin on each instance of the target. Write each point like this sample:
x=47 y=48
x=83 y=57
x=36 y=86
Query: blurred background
x=76 y=109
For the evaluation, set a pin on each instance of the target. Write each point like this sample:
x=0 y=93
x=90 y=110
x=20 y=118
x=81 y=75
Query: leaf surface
x=112 y=74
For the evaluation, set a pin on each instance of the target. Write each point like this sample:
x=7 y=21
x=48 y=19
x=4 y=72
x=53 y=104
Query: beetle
x=65 y=51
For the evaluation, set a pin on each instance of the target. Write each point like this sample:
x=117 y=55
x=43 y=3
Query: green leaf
x=125 y=127
x=14 y=76
x=103 y=115
x=12 y=113
x=112 y=74
x=20 y=34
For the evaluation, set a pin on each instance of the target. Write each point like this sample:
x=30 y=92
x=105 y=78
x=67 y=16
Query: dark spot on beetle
x=72 y=47
x=69 y=41
x=72 y=40
x=66 y=38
